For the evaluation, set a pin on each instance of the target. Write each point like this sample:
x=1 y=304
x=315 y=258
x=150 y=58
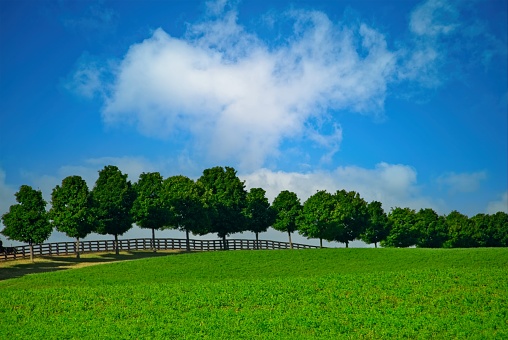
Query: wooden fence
x=69 y=248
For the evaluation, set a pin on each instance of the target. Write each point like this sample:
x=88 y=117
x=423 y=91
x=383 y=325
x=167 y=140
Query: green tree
x=378 y=226
x=403 y=232
x=460 y=231
x=350 y=217
x=432 y=231
x=258 y=211
x=317 y=220
x=187 y=211
x=149 y=209
x=225 y=197
x=28 y=220
x=499 y=224
x=70 y=211
x=288 y=208
x=113 y=197
x=483 y=230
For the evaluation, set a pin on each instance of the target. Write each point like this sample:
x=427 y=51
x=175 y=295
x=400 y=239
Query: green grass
x=320 y=293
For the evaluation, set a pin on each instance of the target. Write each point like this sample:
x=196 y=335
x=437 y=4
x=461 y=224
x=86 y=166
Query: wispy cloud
x=239 y=97
x=94 y=23
x=500 y=204
x=395 y=185
x=462 y=182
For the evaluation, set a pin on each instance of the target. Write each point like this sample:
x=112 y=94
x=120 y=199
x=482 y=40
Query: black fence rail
x=69 y=248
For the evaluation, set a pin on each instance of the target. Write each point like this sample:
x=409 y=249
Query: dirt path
x=19 y=268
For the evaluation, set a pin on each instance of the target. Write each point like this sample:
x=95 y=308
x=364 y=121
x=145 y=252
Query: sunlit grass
x=323 y=293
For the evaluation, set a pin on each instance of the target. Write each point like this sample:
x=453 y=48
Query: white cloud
x=499 y=205
x=462 y=182
x=239 y=97
x=442 y=32
x=434 y=17
x=394 y=185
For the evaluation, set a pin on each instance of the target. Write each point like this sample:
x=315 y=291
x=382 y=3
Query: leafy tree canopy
x=378 y=226
x=431 y=229
x=183 y=199
x=28 y=220
x=71 y=205
x=113 y=197
x=148 y=209
x=258 y=211
x=350 y=217
x=403 y=232
x=288 y=208
x=225 y=196
x=317 y=220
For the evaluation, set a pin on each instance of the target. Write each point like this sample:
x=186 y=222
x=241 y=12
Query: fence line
x=69 y=248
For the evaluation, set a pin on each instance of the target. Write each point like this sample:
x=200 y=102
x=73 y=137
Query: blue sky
x=402 y=101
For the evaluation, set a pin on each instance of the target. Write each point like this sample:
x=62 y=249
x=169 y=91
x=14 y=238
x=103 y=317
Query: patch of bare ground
x=22 y=267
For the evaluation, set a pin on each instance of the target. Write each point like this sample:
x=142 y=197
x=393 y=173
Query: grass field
x=318 y=293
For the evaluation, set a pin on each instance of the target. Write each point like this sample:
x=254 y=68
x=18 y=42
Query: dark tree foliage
x=225 y=197
x=71 y=205
x=490 y=230
x=149 y=210
x=288 y=208
x=431 y=229
x=317 y=220
x=403 y=232
x=350 y=217
x=113 y=197
x=499 y=227
x=378 y=226
x=258 y=211
x=28 y=220
x=184 y=202
x=460 y=231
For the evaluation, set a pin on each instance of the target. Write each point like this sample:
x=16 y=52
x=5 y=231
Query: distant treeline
x=219 y=203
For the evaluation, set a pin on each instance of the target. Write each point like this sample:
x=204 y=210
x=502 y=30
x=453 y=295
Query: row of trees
x=218 y=203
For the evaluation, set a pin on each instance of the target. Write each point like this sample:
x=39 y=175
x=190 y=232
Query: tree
x=483 y=230
x=350 y=217
x=378 y=226
x=225 y=197
x=403 y=232
x=288 y=208
x=113 y=197
x=258 y=211
x=316 y=220
x=149 y=209
x=499 y=224
x=187 y=211
x=70 y=211
x=460 y=231
x=431 y=229
x=28 y=220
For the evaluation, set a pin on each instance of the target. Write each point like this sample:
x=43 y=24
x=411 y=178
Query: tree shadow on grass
x=44 y=264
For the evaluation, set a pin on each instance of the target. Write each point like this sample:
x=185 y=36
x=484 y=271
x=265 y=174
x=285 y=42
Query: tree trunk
x=290 y=242
x=153 y=240
x=117 y=252
x=31 y=252
x=375 y=244
x=320 y=243
x=347 y=244
x=224 y=244
x=257 y=240
x=187 y=241
x=77 y=248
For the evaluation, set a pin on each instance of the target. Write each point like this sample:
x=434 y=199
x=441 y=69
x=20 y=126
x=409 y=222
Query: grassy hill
x=318 y=293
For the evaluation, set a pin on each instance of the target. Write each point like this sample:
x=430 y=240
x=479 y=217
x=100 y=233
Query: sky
x=404 y=102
